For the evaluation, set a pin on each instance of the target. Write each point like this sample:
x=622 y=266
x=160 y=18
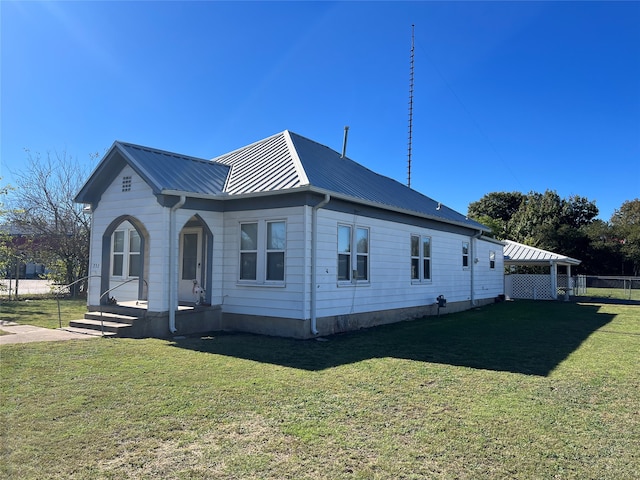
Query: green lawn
x=615 y=293
x=43 y=313
x=515 y=390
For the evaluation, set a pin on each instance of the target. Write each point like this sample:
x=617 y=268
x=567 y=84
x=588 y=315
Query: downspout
x=314 y=257
x=473 y=262
x=173 y=300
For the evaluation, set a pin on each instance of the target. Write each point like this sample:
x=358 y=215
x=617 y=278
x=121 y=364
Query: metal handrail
x=59 y=289
x=109 y=291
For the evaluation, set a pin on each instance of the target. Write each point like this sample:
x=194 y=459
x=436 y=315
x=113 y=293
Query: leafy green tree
x=543 y=220
x=537 y=219
x=625 y=223
x=603 y=255
x=495 y=210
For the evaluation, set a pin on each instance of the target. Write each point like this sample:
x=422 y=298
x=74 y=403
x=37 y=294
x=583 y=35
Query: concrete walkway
x=28 y=333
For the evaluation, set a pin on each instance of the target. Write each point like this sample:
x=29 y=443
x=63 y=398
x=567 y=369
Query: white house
x=282 y=237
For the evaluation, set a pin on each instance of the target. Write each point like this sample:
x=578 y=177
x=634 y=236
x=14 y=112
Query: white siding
x=288 y=300
x=390 y=268
x=140 y=203
x=390 y=284
x=489 y=282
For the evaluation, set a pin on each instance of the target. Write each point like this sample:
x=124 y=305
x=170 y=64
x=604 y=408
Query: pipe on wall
x=314 y=259
x=473 y=259
x=173 y=281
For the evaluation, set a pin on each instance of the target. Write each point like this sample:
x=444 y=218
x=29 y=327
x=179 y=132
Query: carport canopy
x=518 y=254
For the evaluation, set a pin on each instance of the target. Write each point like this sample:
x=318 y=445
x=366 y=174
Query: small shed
x=536 y=286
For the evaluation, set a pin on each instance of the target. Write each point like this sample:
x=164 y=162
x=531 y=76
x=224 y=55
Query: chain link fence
x=624 y=288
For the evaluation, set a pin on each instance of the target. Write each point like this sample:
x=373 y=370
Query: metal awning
x=519 y=254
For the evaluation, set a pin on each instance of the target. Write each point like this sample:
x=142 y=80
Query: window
x=118 y=253
x=125 y=253
x=465 y=254
x=344 y=253
x=276 y=236
x=134 y=254
x=189 y=256
x=492 y=259
x=262 y=251
x=420 y=258
x=248 y=251
x=353 y=268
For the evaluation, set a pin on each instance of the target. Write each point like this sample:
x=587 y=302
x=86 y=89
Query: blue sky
x=509 y=96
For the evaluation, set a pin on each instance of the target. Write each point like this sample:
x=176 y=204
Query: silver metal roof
x=172 y=171
x=519 y=254
x=282 y=162
x=288 y=160
x=267 y=165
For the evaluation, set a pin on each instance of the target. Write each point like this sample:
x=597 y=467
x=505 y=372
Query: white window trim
x=421 y=277
x=468 y=255
x=261 y=254
x=353 y=281
x=126 y=254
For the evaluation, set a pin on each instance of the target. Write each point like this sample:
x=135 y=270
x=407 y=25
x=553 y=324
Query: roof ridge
x=164 y=152
x=246 y=147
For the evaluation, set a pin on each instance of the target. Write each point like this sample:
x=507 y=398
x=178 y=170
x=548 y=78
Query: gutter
x=173 y=284
x=473 y=262
x=314 y=259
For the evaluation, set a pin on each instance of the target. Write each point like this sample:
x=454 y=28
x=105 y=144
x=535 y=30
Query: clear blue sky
x=508 y=96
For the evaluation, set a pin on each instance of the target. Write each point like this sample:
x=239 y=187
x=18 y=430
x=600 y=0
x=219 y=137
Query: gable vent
x=126 y=183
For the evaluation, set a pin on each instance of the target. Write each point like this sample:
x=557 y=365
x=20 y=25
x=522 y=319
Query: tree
x=537 y=219
x=495 y=210
x=543 y=220
x=6 y=251
x=625 y=223
x=43 y=207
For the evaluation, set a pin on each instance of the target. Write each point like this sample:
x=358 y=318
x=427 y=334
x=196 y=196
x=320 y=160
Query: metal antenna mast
x=410 y=109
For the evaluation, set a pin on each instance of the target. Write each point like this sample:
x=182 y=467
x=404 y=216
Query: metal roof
x=172 y=171
x=519 y=254
x=282 y=162
x=288 y=160
x=267 y=165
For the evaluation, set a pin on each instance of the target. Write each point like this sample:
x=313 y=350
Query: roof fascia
x=97 y=172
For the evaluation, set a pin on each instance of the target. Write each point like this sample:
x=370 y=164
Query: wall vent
x=126 y=183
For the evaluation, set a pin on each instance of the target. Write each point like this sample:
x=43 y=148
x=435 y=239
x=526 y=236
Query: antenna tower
x=410 y=109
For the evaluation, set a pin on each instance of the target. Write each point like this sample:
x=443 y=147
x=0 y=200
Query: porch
x=132 y=319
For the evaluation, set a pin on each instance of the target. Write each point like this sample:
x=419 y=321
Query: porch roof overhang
x=519 y=254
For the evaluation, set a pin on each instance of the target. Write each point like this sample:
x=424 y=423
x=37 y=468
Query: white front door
x=190 y=265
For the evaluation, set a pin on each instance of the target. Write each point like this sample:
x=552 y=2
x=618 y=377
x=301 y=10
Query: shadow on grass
x=522 y=337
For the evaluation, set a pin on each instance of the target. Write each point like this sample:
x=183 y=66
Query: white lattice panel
x=530 y=287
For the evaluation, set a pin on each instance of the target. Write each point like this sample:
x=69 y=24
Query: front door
x=190 y=273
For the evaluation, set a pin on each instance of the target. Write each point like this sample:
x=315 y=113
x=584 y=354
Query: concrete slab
x=29 y=333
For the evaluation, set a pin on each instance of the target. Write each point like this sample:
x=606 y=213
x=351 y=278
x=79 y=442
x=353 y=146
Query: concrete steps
x=116 y=322
x=89 y=331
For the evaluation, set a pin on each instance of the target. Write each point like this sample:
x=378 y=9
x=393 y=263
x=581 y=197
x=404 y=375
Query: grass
x=515 y=390
x=615 y=293
x=43 y=312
